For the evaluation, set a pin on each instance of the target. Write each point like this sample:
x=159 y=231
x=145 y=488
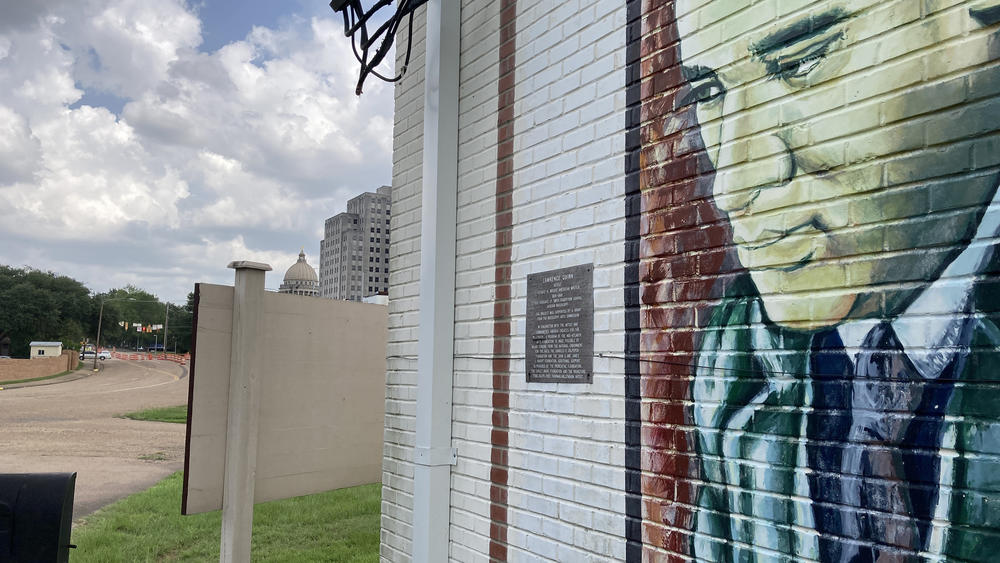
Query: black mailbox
x=36 y=516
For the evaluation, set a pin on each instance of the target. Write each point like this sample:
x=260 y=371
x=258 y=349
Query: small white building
x=40 y=349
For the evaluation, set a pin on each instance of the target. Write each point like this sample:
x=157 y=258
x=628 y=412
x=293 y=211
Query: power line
x=702 y=369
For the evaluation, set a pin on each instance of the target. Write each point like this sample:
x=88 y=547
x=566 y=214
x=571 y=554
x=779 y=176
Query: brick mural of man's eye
x=799 y=59
x=708 y=92
x=706 y=88
x=792 y=53
x=797 y=68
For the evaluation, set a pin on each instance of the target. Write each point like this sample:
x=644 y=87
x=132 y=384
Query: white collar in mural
x=931 y=327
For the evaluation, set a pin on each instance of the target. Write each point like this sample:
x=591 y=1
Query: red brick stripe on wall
x=682 y=255
x=501 y=307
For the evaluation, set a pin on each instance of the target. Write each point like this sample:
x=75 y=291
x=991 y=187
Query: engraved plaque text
x=560 y=325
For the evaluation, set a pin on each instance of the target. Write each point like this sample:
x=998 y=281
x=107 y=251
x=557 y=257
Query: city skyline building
x=354 y=252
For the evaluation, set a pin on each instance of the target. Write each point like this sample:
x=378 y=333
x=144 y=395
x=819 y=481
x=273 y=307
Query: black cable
x=754 y=372
x=356 y=20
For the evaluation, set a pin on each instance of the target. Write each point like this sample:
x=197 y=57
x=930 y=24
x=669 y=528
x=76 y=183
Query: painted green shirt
x=752 y=396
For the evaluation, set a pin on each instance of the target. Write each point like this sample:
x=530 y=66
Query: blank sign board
x=322 y=396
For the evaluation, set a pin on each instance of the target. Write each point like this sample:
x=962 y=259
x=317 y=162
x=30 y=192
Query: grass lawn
x=341 y=526
x=161 y=414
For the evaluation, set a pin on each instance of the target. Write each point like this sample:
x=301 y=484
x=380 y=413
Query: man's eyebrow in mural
x=988 y=13
x=798 y=31
x=792 y=51
x=798 y=47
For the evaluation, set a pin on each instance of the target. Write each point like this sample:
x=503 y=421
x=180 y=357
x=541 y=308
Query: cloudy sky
x=152 y=142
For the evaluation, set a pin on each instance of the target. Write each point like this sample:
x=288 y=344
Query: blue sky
x=150 y=143
x=225 y=21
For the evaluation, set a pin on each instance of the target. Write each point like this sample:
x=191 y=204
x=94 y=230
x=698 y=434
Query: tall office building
x=354 y=253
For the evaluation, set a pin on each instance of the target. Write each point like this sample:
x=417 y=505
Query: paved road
x=72 y=426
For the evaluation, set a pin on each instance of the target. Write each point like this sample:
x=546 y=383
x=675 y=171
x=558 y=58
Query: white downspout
x=433 y=455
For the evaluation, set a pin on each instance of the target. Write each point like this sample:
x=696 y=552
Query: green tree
x=37 y=305
x=181 y=321
x=124 y=308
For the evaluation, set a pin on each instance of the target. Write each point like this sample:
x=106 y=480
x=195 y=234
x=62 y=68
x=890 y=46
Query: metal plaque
x=560 y=332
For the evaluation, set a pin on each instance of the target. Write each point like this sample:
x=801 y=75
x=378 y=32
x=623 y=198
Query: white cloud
x=215 y=255
x=71 y=196
x=125 y=47
x=36 y=71
x=20 y=150
x=216 y=156
x=280 y=102
x=257 y=203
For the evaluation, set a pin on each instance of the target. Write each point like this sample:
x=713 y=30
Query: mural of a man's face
x=852 y=141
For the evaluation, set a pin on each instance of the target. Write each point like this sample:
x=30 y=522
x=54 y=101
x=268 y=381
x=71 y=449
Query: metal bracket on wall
x=435 y=456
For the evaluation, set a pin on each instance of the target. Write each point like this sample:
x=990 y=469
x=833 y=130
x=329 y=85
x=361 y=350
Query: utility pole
x=97 y=343
x=166 y=325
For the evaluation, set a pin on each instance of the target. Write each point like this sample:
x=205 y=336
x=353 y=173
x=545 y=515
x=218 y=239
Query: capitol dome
x=301 y=278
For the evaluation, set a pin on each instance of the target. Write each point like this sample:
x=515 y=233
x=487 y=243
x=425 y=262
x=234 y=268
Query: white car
x=103 y=354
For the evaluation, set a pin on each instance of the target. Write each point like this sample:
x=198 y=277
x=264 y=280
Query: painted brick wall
x=789 y=207
x=474 y=281
x=563 y=459
x=404 y=291
x=566 y=487
x=818 y=275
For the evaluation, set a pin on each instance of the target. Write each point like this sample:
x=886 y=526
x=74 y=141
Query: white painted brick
x=566 y=454
x=541 y=546
x=558 y=205
x=560 y=163
x=577 y=218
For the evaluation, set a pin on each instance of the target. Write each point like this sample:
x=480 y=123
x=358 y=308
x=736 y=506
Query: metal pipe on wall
x=433 y=454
